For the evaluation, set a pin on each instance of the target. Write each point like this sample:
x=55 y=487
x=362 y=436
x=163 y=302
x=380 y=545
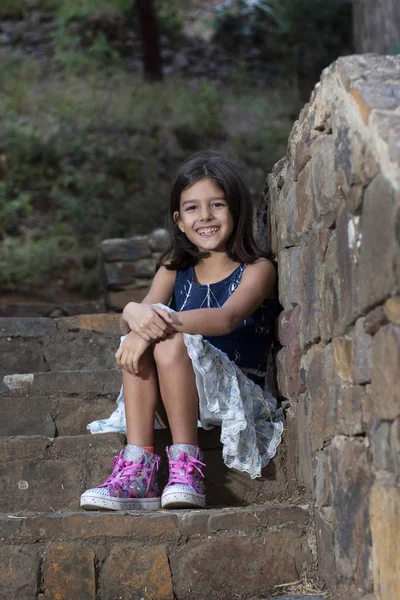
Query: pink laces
x=124 y=470
x=181 y=470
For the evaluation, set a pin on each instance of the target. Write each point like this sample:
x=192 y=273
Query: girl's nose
x=205 y=213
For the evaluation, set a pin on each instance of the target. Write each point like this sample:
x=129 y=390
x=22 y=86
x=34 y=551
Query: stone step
x=40 y=474
x=33 y=345
x=56 y=404
x=308 y=597
x=202 y=555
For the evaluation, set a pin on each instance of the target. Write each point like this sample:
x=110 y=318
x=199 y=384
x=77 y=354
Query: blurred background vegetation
x=89 y=141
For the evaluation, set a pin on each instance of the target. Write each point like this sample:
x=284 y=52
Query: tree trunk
x=152 y=65
x=377 y=26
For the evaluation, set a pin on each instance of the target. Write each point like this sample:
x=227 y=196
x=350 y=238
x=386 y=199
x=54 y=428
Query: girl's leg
x=185 y=487
x=178 y=388
x=141 y=394
x=133 y=483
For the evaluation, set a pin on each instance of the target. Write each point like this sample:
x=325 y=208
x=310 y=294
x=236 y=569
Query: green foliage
x=30 y=263
x=91 y=156
x=12 y=209
x=171 y=15
x=16 y=8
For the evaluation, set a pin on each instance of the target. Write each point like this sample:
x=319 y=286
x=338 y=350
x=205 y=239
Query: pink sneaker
x=185 y=488
x=132 y=485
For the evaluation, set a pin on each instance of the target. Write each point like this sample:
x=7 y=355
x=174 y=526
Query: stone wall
x=127 y=267
x=333 y=214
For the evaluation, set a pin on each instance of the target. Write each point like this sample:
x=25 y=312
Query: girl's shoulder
x=261 y=266
x=260 y=274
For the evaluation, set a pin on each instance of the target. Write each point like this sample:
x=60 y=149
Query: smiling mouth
x=207 y=231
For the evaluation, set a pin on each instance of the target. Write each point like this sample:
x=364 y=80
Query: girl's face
x=204 y=216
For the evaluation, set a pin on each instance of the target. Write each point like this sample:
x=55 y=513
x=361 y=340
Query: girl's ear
x=178 y=221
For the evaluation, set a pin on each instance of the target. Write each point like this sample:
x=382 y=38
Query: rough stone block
x=311 y=285
x=119 y=299
x=89 y=525
x=352 y=68
x=288 y=215
x=361 y=353
x=21 y=447
x=40 y=486
x=117 y=274
x=254 y=517
x=69 y=572
x=381 y=446
x=306 y=209
x=322 y=392
x=27 y=327
x=386 y=372
x=130 y=249
x=388 y=129
x=276 y=557
x=326 y=557
x=385 y=526
x=368 y=417
x=22 y=416
x=281 y=373
x=351 y=483
x=102 y=323
x=136 y=573
x=51 y=474
x=19 y=572
x=67 y=382
x=96 y=353
x=374 y=319
x=378 y=245
x=71 y=414
x=301 y=142
x=159 y=240
x=395 y=444
x=342 y=353
x=347 y=258
x=322 y=479
x=350 y=401
x=292 y=446
x=21 y=356
x=289 y=282
x=306 y=476
x=354 y=197
x=392 y=310
x=327 y=197
x=145 y=268
x=294 y=353
x=331 y=292
x=369 y=96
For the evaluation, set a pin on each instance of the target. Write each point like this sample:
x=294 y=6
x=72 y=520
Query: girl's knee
x=169 y=350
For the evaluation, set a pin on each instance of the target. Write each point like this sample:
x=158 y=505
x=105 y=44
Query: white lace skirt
x=251 y=424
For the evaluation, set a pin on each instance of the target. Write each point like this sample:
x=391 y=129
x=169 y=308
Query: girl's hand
x=129 y=353
x=149 y=324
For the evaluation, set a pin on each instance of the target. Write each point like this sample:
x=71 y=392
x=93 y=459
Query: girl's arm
x=257 y=283
x=142 y=317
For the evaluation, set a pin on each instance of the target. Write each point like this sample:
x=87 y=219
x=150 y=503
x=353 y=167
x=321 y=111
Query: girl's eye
x=188 y=208
x=218 y=204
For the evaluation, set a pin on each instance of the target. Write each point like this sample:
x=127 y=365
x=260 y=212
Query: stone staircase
x=58 y=375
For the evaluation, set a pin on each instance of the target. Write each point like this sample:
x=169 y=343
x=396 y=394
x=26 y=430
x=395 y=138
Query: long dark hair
x=241 y=246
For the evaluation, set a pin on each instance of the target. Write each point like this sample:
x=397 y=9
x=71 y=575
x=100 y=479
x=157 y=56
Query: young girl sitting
x=206 y=354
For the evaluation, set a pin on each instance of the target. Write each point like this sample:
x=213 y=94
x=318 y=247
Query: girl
x=206 y=354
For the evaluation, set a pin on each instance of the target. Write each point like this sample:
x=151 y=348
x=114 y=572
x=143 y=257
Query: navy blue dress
x=249 y=344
